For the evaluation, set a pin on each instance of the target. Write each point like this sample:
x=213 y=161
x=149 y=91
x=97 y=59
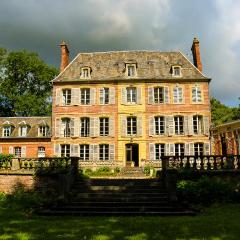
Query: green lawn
x=219 y=222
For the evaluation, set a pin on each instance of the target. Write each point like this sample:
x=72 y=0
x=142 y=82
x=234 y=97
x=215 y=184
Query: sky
x=106 y=25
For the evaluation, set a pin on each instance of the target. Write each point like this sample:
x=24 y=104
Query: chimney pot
x=64 y=56
x=196 y=54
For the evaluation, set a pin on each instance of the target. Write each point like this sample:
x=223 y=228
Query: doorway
x=224 y=146
x=132 y=152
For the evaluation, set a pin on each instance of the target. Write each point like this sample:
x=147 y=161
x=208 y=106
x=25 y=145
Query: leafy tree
x=222 y=114
x=25 y=87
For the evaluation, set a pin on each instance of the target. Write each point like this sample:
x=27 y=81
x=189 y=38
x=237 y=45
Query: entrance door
x=132 y=154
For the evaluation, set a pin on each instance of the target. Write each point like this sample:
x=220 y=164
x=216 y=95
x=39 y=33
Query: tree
x=25 y=84
x=222 y=114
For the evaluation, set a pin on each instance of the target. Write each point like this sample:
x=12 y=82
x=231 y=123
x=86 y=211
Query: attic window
x=176 y=71
x=23 y=130
x=85 y=72
x=131 y=70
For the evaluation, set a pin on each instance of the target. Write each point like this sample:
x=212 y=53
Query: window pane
x=159 y=95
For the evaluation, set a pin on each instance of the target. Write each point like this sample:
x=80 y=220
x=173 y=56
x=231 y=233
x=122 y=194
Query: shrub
x=117 y=170
x=205 y=191
x=103 y=170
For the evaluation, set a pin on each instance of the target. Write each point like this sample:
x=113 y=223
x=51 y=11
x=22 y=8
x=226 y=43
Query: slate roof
x=111 y=66
x=32 y=122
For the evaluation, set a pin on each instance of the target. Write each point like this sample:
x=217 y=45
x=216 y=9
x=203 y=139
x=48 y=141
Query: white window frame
x=159 y=150
x=174 y=71
x=156 y=95
x=104 y=126
x=18 y=151
x=85 y=94
x=159 y=125
x=84 y=126
x=23 y=130
x=106 y=95
x=131 y=95
x=65 y=150
x=7 y=131
x=198 y=149
x=41 y=152
x=179 y=148
x=179 y=129
x=178 y=94
x=43 y=131
x=66 y=97
x=197 y=94
x=132 y=120
x=65 y=125
x=104 y=154
x=131 y=70
x=86 y=72
x=198 y=124
x=84 y=151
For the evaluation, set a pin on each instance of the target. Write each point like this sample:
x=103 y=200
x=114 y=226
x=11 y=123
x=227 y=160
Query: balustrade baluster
x=214 y=163
x=187 y=165
x=208 y=163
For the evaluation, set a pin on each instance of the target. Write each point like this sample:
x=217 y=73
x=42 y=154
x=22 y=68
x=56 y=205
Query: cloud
x=101 y=25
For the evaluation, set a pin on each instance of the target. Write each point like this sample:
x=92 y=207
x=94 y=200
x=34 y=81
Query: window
x=103 y=152
x=197 y=124
x=7 y=131
x=131 y=125
x=66 y=130
x=179 y=149
x=85 y=96
x=131 y=95
x=84 y=152
x=198 y=149
x=85 y=127
x=158 y=95
x=65 y=150
x=41 y=152
x=159 y=125
x=85 y=72
x=18 y=151
x=178 y=121
x=23 y=131
x=104 y=126
x=66 y=97
x=43 y=131
x=131 y=70
x=176 y=71
x=196 y=94
x=104 y=96
x=159 y=151
x=177 y=95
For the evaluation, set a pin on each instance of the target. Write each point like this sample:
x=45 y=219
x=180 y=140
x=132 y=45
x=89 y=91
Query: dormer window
x=85 y=72
x=7 y=131
x=43 y=131
x=176 y=71
x=23 y=131
x=131 y=70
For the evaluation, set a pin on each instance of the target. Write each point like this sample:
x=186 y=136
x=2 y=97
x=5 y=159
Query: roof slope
x=111 y=65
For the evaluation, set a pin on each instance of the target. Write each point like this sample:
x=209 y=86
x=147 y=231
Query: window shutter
x=92 y=127
x=191 y=149
x=180 y=92
x=206 y=125
x=0 y=149
x=171 y=149
x=75 y=150
x=11 y=150
x=91 y=152
x=23 y=151
x=152 y=151
x=175 y=95
x=139 y=95
x=112 y=95
x=124 y=95
x=77 y=127
x=139 y=126
x=92 y=96
x=101 y=96
x=96 y=126
x=186 y=149
x=57 y=127
x=62 y=127
x=72 y=127
x=111 y=152
x=166 y=95
x=151 y=126
x=58 y=97
x=190 y=125
x=111 y=127
x=124 y=125
x=166 y=149
x=206 y=149
x=75 y=96
x=185 y=125
x=170 y=125
x=150 y=95
x=95 y=152
x=57 y=151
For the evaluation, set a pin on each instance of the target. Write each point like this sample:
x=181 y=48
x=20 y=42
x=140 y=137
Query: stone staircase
x=118 y=197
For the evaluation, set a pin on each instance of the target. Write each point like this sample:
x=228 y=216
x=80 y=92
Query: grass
x=220 y=222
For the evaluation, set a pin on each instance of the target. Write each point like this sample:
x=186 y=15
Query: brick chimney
x=64 y=56
x=196 y=54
